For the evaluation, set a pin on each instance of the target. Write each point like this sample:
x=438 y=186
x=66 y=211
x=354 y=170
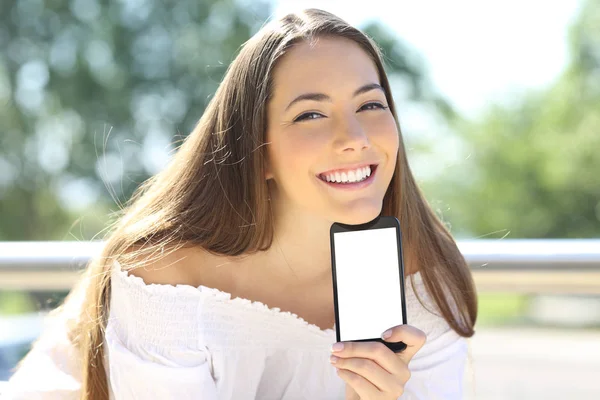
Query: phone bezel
x=378 y=223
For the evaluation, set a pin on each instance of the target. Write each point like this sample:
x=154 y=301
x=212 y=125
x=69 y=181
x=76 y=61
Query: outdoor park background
x=499 y=103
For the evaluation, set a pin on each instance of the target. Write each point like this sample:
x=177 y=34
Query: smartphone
x=368 y=280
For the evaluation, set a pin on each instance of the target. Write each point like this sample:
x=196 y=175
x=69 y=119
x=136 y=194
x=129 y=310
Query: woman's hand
x=373 y=371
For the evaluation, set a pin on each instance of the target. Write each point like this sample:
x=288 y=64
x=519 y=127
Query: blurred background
x=499 y=103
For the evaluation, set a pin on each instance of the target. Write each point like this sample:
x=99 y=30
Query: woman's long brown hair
x=212 y=195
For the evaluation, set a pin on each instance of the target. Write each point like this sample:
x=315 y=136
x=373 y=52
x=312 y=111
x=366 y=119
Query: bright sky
x=476 y=50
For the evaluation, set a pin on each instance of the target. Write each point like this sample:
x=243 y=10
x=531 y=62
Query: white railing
x=526 y=266
x=515 y=265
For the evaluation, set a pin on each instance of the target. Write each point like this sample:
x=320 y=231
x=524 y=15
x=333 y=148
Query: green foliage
x=532 y=168
x=92 y=92
x=15 y=303
x=501 y=309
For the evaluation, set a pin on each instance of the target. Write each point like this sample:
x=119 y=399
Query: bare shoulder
x=183 y=266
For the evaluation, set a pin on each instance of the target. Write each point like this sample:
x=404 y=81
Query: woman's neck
x=301 y=246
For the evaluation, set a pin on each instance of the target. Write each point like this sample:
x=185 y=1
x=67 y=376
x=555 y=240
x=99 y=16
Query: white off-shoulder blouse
x=182 y=342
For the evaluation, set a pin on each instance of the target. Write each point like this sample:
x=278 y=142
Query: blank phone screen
x=368 y=283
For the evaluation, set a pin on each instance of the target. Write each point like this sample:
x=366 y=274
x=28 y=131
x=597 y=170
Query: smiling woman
x=338 y=123
x=216 y=282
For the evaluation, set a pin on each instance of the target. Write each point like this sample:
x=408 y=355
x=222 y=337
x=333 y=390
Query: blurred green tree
x=531 y=169
x=94 y=94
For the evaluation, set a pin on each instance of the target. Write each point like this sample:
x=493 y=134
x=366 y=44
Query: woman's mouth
x=354 y=178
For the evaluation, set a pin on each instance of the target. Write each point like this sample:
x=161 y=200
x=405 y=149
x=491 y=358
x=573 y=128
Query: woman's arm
x=51 y=370
x=438 y=372
x=153 y=347
x=153 y=376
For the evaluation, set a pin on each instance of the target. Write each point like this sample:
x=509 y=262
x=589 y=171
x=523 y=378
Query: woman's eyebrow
x=323 y=97
x=367 y=88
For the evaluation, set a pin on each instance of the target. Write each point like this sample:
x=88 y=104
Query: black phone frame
x=378 y=223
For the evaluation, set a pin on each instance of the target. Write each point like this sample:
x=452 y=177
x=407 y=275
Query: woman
x=243 y=212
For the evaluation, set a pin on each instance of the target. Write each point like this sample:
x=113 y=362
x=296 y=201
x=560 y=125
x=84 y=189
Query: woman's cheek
x=385 y=133
x=297 y=154
x=307 y=141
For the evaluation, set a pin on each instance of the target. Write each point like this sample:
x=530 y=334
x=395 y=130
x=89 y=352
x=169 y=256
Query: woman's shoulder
x=151 y=310
x=158 y=291
x=155 y=304
x=182 y=266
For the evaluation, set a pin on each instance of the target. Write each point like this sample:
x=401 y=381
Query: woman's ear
x=268 y=173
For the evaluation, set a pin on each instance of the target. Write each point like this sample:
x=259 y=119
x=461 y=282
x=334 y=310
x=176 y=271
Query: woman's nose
x=351 y=136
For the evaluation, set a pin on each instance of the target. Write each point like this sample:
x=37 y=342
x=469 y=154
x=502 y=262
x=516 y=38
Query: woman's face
x=332 y=139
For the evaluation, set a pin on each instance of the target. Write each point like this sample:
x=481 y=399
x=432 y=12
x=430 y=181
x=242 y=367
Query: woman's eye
x=372 y=106
x=308 y=115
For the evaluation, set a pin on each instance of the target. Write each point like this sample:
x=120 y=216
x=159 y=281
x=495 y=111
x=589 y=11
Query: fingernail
x=387 y=334
x=333 y=359
x=337 y=346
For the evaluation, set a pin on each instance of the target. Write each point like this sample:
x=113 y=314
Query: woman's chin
x=358 y=217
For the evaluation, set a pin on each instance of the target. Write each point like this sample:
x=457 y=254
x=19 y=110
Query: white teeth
x=357 y=175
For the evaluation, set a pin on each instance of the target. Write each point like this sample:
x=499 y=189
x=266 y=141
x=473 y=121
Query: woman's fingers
x=357 y=387
x=374 y=374
x=375 y=351
x=371 y=369
x=413 y=338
